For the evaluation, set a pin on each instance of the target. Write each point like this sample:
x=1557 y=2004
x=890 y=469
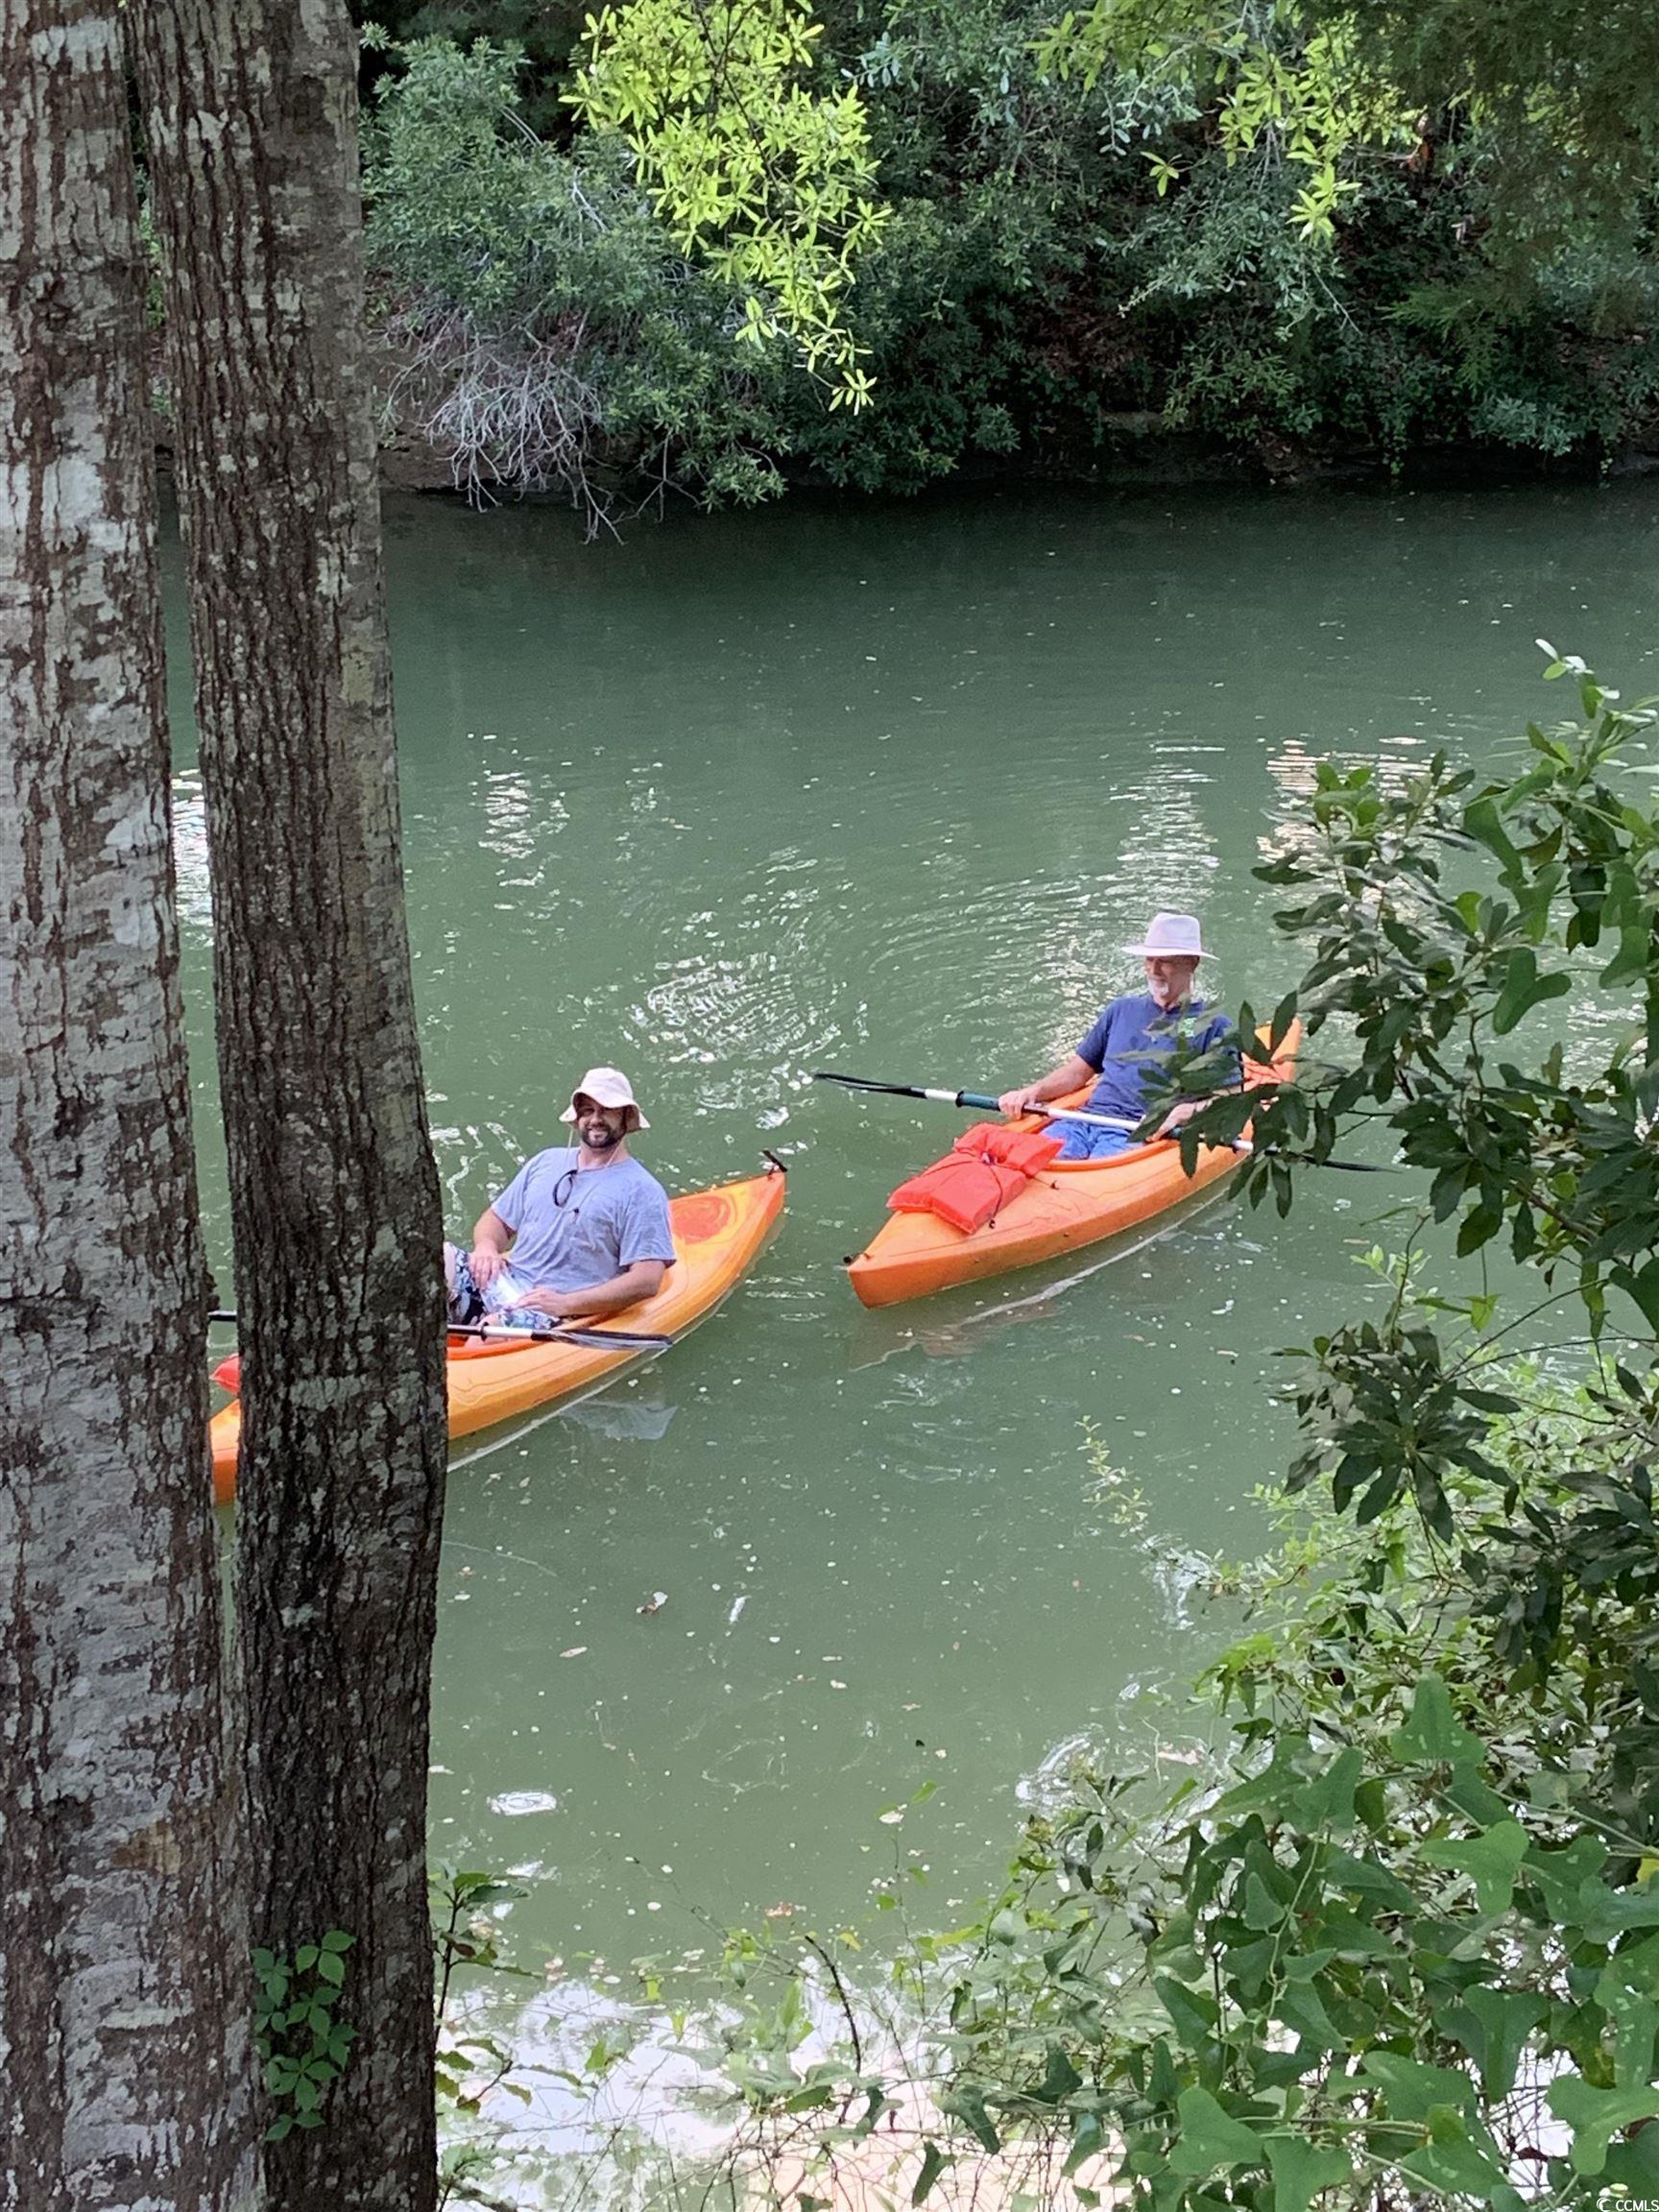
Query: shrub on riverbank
x=1396 y=1935
x=539 y=326
x=1071 y=260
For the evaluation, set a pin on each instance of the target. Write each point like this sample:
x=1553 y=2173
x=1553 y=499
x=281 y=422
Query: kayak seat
x=987 y=1165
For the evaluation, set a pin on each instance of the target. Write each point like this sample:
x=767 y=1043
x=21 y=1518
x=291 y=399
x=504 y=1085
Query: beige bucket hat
x=606 y=1087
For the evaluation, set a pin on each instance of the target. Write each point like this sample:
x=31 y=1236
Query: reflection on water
x=957 y=1323
x=637 y=1420
x=190 y=853
x=887 y=789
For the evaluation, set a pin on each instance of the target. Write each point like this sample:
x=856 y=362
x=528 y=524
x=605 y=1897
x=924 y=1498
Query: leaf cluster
x=540 y=322
x=756 y=171
x=1399 y=1935
x=471 y=2062
x=1428 y=980
x=303 y=2046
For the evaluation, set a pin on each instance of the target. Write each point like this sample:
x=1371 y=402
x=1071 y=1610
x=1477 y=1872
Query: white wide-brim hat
x=1170 y=937
x=606 y=1087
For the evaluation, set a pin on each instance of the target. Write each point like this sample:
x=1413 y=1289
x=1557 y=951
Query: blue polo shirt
x=1132 y=1035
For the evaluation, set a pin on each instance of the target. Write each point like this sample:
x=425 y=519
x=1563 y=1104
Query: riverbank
x=1139 y=451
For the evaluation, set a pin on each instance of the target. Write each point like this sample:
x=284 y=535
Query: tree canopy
x=731 y=244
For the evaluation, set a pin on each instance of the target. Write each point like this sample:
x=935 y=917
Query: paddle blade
x=861 y=1082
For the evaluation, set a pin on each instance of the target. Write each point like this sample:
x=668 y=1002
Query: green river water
x=883 y=789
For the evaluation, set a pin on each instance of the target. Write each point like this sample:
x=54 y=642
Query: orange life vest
x=984 y=1169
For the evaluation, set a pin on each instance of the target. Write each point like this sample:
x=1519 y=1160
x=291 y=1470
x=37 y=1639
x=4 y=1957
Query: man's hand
x=486 y=1263
x=1014 y=1103
x=548 y=1302
x=1177 y=1115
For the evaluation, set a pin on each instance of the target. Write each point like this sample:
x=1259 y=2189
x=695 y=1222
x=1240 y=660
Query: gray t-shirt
x=574 y=1228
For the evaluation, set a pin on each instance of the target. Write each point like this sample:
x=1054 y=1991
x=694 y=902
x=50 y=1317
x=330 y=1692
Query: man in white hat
x=1131 y=1036
x=581 y=1231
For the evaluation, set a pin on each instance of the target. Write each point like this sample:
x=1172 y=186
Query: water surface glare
x=882 y=789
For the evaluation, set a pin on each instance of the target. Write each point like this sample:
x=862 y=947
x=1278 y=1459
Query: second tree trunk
x=250 y=116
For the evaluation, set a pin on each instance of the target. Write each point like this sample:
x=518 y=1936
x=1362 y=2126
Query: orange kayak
x=717 y=1234
x=1063 y=1208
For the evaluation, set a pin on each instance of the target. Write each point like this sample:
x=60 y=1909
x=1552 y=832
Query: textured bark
x=124 y=1990
x=252 y=124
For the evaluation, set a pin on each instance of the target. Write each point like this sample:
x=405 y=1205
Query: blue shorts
x=1082 y=1143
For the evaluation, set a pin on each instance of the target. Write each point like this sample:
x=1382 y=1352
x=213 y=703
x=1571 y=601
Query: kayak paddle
x=629 y=1341
x=982 y=1101
x=979 y=1102
x=644 y=1342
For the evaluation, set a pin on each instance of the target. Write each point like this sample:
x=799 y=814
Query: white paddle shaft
x=1054 y=1113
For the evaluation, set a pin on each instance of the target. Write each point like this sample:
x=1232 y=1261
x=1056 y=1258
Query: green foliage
x=991 y=173
x=304 y=2048
x=541 y=327
x=1419 y=998
x=1388 y=1938
x=471 y=2062
x=546 y=32
x=765 y=180
x=1559 y=96
x=1405 y=1923
x=1283 y=88
x=1554 y=103
x=1022 y=236
x=1431 y=977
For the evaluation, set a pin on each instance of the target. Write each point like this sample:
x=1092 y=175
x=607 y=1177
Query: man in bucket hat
x=582 y=1230
x=1131 y=1036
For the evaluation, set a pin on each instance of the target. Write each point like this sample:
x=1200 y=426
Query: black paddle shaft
x=983 y=1101
x=628 y=1339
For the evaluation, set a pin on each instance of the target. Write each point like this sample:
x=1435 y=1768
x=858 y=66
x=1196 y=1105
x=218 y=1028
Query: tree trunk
x=251 y=121
x=125 y=1993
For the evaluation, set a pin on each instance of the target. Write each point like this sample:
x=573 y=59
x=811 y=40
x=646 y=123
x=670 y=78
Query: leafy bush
x=540 y=325
x=1224 y=222
x=304 y=2049
x=757 y=166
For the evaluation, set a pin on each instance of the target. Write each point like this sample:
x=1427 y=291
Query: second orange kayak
x=717 y=1234
x=1062 y=1208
